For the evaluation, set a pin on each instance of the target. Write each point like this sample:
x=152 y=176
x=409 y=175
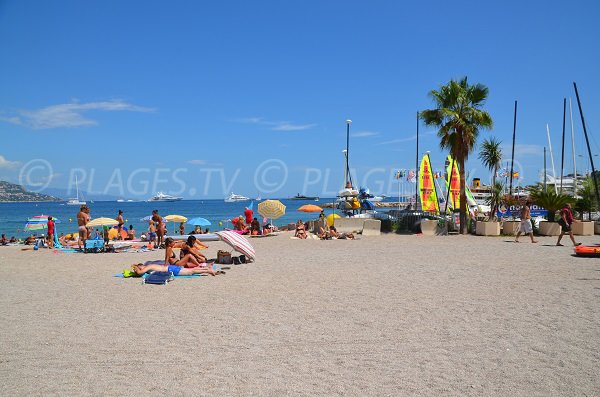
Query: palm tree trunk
x=463 y=195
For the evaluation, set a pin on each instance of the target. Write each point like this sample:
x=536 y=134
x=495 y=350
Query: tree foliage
x=459 y=117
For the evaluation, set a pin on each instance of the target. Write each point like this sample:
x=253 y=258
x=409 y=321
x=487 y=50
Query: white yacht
x=232 y=198
x=160 y=196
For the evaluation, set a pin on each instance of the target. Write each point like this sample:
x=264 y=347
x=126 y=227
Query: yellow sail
x=429 y=200
x=453 y=183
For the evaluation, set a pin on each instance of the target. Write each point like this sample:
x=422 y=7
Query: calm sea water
x=13 y=216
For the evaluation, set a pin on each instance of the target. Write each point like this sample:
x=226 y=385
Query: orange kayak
x=587 y=250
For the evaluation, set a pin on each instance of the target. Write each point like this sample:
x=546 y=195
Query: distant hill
x=11 y=192
x=83 y=195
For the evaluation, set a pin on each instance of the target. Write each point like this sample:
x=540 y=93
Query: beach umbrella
x=238 y=243
x=38 y=222
x=331 y=219
x=175 y=218
x=198 y=221
x=310 y=208
x=102 y=222
x=271 y=209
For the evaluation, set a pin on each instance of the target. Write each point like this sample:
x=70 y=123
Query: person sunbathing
x=192 y=246
x=140 y=269
x=324 y=234
x=300 y=230
x=187 y=260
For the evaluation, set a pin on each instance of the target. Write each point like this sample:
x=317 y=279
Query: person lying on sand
x=140 y=269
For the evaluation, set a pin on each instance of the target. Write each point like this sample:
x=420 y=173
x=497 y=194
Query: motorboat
x=160 y=196
x=365 y=194
x=303 y=197
x=232 y=198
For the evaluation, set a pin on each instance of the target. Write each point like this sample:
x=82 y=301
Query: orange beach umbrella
x=310 y=208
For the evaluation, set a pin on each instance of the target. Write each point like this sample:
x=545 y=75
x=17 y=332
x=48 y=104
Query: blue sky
x=203 y=98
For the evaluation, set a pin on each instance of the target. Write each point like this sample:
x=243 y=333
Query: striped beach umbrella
x=273 y=209
x=176 y=218
x=238 y=243
x=102 y=222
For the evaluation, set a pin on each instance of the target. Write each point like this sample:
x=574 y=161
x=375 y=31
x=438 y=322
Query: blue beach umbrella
x=198 y=222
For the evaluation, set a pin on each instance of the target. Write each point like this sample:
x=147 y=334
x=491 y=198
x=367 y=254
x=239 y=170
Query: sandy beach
x=392 y=315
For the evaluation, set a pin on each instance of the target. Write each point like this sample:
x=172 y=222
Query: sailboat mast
x=77 y=188
x=573 y=147
x=512 y=158
x=551 y=156
x=348 y=177
x=587 y=141
x=562 y=156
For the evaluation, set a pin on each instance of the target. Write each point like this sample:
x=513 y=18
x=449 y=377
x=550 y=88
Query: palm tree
x=459 y=117
x=490 y=155
x=549 y=199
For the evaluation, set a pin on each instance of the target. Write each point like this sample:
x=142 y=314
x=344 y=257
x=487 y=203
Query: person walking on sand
x=565 y=222
x=83 y=217
x=525 y=225
x=120 y=224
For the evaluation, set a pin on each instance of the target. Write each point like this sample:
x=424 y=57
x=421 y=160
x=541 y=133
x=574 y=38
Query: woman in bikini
x=83 y=217
x=300 y=230
x=191 y=247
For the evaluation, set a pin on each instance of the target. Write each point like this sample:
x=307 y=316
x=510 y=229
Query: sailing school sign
x=515 y=211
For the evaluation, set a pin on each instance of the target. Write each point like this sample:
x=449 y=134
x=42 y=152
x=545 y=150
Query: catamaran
x=76 y=201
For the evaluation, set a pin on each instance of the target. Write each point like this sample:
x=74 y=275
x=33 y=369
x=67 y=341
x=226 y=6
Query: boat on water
x=160 y=196
x=76 y=200
x=232 y=198
x=365 y=194
x=303 y=197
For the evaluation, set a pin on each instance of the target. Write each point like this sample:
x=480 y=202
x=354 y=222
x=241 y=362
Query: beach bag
x=224 y=257
x=158 y=278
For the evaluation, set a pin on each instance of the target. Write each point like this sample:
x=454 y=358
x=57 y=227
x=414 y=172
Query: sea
x=14 y=216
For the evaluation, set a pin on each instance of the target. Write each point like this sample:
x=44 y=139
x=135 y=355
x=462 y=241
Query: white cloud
x=364 y=134
x=275 y=125
x=399 y=140
x=283 y=126
x=523 y=150
x=4 y=163
x=69 y=115
x=198 y=162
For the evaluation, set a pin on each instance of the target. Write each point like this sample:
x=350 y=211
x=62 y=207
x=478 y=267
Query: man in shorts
x=525 y=226
x=120 y=224
x=565 y=222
